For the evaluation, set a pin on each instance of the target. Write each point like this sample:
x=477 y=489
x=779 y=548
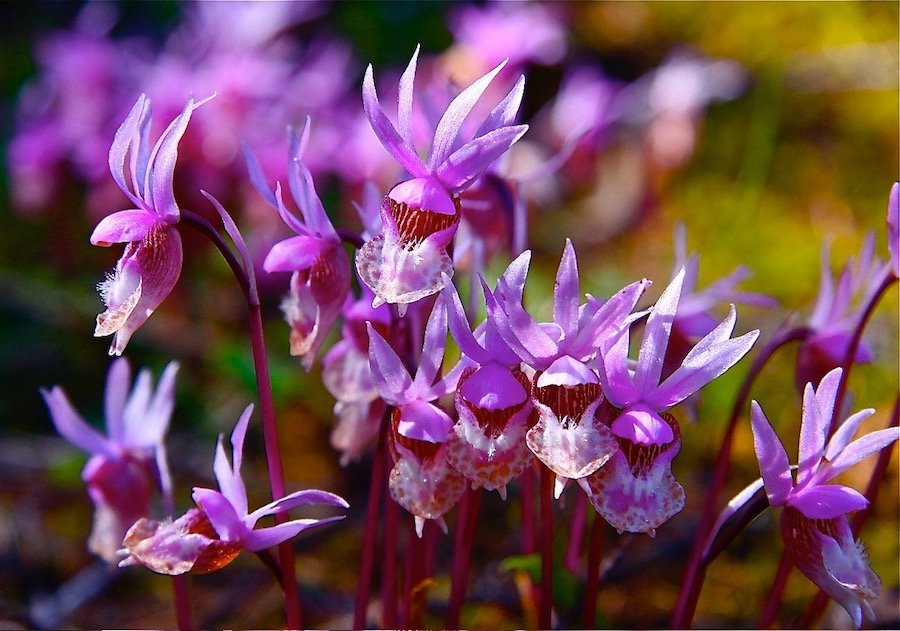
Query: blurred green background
x=807 y=155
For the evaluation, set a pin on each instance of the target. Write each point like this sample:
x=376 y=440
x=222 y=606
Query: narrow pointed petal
x=122 y=142
x=123 y=226
x=257 y=176
x=504 y=114
x=72 y=427
x=161 y=171
x=237 y=238
x=384 y=129
x=304 y=191
x=148 y=429
x=893 y=227
x=827 y=501
x=390 y=376
x=566 y=292
x=450 y=123
x=607 y=321
x=435 y=343
x=458 y=170
x=656 y=336
x=826 y=394
x=460 y=329
x=846 y=432
x=773 y=459
x=612 y=369
x=229 y=479
x=221 y=514
x=405 y=100
x=264 y=538
x=813 y=432
x=117 y=382
x=311 y=497
x=858 y=450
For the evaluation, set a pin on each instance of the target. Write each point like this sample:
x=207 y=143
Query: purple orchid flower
x=347 y=376
x=893 y=228
x=836 y=313
x=151 y=263
x=492 y=399
x=409 y=260
x=320 y=279
x=569 y=437
x=636 y=491
x=422 y=480
x=210 y=536
x=814 y=520
x=129 y=462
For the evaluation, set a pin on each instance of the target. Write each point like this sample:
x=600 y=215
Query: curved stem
x=462 y=553
x=546 y=601
x=695 y=571
x=266 y=407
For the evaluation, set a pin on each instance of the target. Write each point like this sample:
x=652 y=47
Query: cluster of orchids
x=564 y=399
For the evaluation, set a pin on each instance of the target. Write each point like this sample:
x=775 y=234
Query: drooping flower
x=347 y=376
x=835 y=315
x=814 y=522
x=151 y=263
x=494 y=406
x=569 y=436
x=409 y=261
x=320 y=279
x=422 y=481
x=128 y=464
x=893 y=227
x=636 y=491
x=210 y=536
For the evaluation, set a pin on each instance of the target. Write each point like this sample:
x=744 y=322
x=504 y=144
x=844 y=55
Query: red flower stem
x=464 y=538
x=389 y=576
x=529 y=535
x=577 y=526
x=593 y=573
x=773 y=601
x=817 y=606
x=411 y=551
x=367 y=563
x=266 y=409
x=692 y=582
x=546 y=600
x=182 y=602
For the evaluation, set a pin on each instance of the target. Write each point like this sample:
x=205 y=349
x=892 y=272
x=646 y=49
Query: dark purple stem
x=695 y=572
x=464 y=538
x=266 y=409
x=389 y=568
x=773 y=601
x=577 y=526
x=367 y=564
x=593 y=573
x=546 y=601
x=182 y=602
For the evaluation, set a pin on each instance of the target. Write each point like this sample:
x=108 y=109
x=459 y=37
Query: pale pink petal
x=122 y=227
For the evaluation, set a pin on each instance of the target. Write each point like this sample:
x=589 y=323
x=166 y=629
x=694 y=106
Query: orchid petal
x=237 y=238
x=310 y=497
x=826 y=395
x=845 y=433
x=656 y=337
x=390 y=376
x=450 y=123
x=612 y=368
x=827 y=501
x=124 y=226
x=290 y=220
x=425 y=421
x=813 y=432
x=72 y=427
x=118 y=379
x=147 y=429
x=504 y=114
x=460 y=329
x=858 y=450
x=387 y=134
x=606 y=321
x=773 y=459
x=161 y=171
x=294 y=253
x=566 y=292
x=434 y=345
x=221 y=514
x=264 y=538
x=405 y=100
x=123 y=141
x=468 y=162
x=257 y=176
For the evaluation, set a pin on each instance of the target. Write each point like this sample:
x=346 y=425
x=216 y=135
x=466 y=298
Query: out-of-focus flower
x=151 y=263
x=347 y=376
x=321 y=272
x=422 y=481
x=814 y=520
x=210 y=536
x=893 y=227
x=129 y=462
x=492 y=399
x=569 y=437
x=636 y=491
x=409 y=260
x=835 y=315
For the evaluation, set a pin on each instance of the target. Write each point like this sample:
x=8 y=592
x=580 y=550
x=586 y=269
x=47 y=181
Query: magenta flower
x=151 y=263
x=129 y=462
x=636 y=491
x=320 y=279
x=494 y=406
x=814 y=520
x=568 y=437
x=835 y=315
x=422 y=481
x=409 y=261
x=893 y=228
x=210 y=536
